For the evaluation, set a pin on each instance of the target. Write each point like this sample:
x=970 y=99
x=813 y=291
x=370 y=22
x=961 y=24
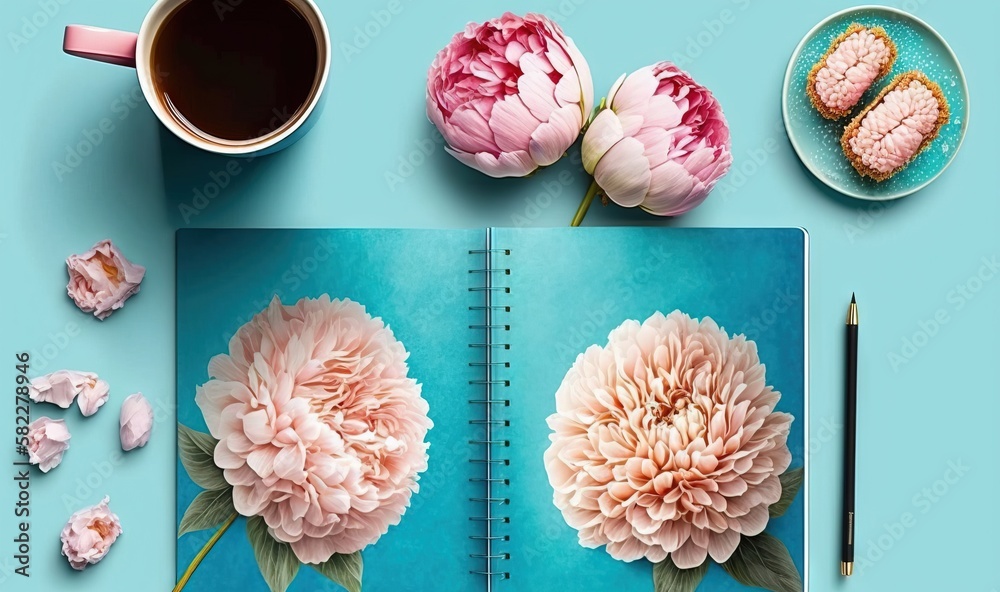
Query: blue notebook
x=493 y=409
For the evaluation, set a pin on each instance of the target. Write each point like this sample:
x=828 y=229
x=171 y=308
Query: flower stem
x=581 y=212
x=593 y=115
x=204 y=551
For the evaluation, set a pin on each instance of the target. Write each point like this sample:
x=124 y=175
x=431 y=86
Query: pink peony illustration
x=320 y=430
x=102 y=279
x=661 y=144
x=666 y=442
x=509 y=95
x=89 y=534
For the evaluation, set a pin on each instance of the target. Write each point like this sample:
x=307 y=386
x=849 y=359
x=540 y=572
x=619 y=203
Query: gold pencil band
x=846 y=568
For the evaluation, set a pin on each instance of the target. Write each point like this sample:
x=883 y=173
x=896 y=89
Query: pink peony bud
x=136 y=422
x=102 y=279
x=89 y=534
x=343 y=439
x=48 y=439
x=509 y=95
x=661 y=144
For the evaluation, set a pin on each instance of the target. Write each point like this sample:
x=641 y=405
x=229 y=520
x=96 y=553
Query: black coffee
x=235 y=71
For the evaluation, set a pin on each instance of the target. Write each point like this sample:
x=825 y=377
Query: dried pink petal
x=899 y=124
x=136 y=422
x=59 y=388
x=48 y=439
x=855 y=60
x=62 y=387
x=94 y=395
x=102 y=279
x=89 y=534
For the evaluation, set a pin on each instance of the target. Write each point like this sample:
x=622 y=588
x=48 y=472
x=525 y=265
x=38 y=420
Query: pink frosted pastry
x=855 y=60
x=898 y=125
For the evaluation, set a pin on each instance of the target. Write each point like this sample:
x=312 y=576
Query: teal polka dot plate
x=817 y=140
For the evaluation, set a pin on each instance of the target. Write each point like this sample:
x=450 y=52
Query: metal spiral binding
x=493 y=484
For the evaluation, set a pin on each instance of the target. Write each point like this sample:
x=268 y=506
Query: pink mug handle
x=102 y=45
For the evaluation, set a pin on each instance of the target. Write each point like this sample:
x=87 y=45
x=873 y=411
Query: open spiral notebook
x=493 y=319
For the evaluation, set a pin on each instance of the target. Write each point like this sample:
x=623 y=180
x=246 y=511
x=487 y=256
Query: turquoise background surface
x=924 y=268
x=750 y=282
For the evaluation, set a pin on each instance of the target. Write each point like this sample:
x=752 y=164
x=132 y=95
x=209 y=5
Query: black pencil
x=850 y=427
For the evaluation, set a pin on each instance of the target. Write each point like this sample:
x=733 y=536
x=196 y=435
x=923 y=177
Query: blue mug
x=135 y=50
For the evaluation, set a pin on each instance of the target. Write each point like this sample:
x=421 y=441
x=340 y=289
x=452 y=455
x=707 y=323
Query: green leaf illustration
x=344 y=570
x=667 y=577
x=197 y=455
x=277 y=563
x=791 y=482
x=208 y=509
x=764 y=561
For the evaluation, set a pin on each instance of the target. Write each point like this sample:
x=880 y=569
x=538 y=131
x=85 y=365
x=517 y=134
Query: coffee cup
x=228 y=76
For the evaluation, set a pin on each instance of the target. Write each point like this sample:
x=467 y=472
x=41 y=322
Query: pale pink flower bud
x=136 y=422
x=94 y=394
x=662 y=143
x=59 y=388
x=509 y=95
x=89 y=534
x=102 y=279
x=62 y=387
x=48 y=439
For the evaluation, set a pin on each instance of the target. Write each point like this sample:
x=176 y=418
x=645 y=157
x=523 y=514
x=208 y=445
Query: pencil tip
x=853 y=301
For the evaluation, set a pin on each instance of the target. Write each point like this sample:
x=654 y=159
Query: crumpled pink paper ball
x=63 y=386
